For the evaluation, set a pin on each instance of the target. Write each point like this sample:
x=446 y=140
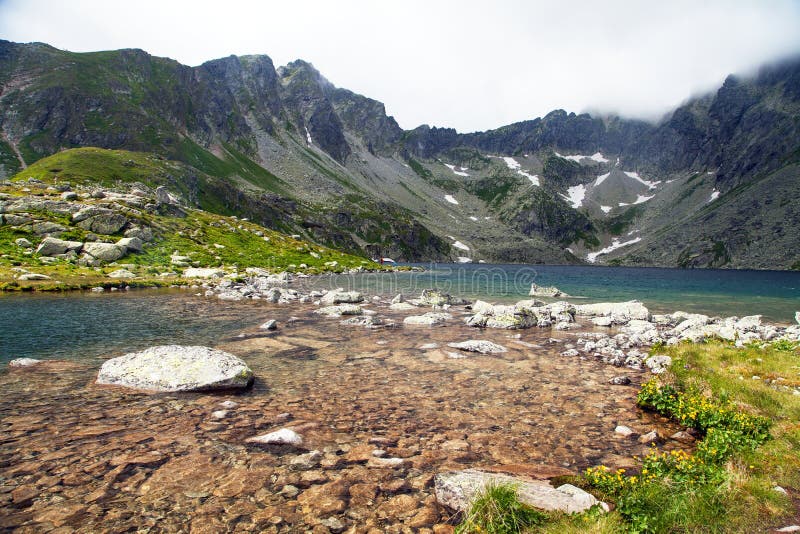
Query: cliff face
x=287 y=147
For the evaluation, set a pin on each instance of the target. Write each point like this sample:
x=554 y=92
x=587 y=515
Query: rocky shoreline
x=366 y=414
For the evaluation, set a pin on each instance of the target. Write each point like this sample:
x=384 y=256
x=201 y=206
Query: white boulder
x=177 y=368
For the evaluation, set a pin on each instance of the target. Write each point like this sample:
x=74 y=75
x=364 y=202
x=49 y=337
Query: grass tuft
x=498 y=510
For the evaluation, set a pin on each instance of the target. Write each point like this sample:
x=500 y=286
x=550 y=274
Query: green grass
x=82 y=166
x=498 y=510
x=421 y=171
x=620 y=223
x=724 y=485
x=493 y=190
x=710 y=388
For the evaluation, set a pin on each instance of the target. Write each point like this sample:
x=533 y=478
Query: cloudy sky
x=467 y=64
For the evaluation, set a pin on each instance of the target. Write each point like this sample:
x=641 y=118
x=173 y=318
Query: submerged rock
x=456 y=489
x=177 y=368
x=479 y=345
x=428 y=319
x=284 y=436
x=23 y=362
x=339 y=310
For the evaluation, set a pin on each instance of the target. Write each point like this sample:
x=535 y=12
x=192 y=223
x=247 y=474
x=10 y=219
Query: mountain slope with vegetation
x=75 y=218
x=714 y=184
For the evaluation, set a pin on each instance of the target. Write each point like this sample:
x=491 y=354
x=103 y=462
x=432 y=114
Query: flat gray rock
x=177 y=368
x=456 y=489
x=23 y=362
x=428 y=319
x=479 y=345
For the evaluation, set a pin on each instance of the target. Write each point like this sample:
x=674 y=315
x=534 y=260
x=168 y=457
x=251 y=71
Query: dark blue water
x=774 y=294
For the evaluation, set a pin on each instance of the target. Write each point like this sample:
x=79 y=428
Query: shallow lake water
x=78 y=457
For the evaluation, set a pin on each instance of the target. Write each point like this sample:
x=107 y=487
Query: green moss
x=620 y=223
x=417 y=167
x=493 y=190
x=9 y=163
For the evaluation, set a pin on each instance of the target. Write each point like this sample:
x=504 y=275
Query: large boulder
x=436 y=298
x=50 y=246
x=339 y=310
x=133 y=244
x=428 y=319
x=621 y=312
x=177 y=368
x=546 y=291
x=104 y=251
x=203 y=272
x=105 y=223
x=339 y=296
x=457 y=489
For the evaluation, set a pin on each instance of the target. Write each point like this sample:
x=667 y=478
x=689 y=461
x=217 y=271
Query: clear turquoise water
x=774 y=294
x=84 y=325
x=88 y=325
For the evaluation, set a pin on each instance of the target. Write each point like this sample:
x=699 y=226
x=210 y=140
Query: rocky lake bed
x=358 y=413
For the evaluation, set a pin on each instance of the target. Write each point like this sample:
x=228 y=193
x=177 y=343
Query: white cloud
x=469 y=65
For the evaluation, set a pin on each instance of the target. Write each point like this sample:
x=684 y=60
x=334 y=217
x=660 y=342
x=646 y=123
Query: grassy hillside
x=207 y=239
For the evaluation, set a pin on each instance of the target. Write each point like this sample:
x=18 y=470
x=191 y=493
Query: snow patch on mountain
x=461 y=246
x=602 y=178
x=459 y=172
x=597 y=156
x=514 y=165
x=635 y=176
x=606 y=209
x=640 y=199
x=451 y=200
x=592 y=256
x=714 y=196
x=575 y=195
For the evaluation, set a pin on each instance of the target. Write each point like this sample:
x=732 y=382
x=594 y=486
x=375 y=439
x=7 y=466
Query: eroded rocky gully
x=77 y=457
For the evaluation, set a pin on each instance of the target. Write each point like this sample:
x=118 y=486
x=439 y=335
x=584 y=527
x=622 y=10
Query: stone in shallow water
x=479 y=345
x=620 y=381
x=272 y=324
x=177 y=368
x=455 y=490
x=429 y=319
x=23 y=362
x=284 y=436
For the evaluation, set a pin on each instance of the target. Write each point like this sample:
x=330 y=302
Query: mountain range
x=715 y=183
